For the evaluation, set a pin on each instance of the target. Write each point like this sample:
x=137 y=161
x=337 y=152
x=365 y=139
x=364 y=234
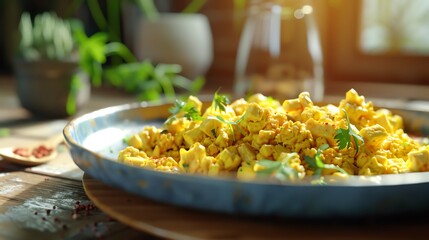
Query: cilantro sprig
x=231 y=124
x=192 y=113
x=177 y=107
x=189 y=111
x=344 y=136
x=316 y=163
x=281 y=170
x=220 y=102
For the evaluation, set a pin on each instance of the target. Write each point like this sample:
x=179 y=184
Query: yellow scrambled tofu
x=295 y=138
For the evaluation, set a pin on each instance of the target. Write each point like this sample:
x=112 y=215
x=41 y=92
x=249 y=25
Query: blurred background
x=378 y=47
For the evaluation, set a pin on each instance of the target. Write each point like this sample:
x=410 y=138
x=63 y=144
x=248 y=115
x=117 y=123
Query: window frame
x=347 y=66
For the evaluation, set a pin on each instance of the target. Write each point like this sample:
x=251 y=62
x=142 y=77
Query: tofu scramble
x=286 y=141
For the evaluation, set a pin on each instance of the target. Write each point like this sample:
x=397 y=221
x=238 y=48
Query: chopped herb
x=177 y=107
x=174 y=110
x=190 y=111
x=344 y=136
x=214 y=133
x=316 y=163
x=281 y=170
x=165 y=131
x=126 y=139
x=220 y=102
x=170 y=119
x=230 y=124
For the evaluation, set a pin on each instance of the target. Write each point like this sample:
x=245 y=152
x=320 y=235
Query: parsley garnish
x=220 y=102
x=177 y=107
x=125 y=139
x=316 y=163
x=281 y=170
x=230 y=124
x=190 y=112
x=343 y=136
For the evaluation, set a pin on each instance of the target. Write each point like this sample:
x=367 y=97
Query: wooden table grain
x=48 y=201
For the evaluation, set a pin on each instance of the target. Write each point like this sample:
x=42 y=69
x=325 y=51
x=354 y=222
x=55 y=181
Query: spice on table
x=37 y=152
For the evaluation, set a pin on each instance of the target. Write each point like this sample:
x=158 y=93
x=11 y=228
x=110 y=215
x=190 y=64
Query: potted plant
x=183 y=38
x=48 y=76
x=56 y=67
x=149 y=80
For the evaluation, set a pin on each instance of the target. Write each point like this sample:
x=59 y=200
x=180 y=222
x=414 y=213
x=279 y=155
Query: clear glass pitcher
x=279 y=52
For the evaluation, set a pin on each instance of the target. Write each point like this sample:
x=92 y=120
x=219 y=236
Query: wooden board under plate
x=172 y=222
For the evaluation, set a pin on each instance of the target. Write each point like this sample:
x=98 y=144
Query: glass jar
x=279 y=52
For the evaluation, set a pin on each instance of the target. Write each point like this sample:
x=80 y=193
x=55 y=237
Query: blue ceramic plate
x=96 y=138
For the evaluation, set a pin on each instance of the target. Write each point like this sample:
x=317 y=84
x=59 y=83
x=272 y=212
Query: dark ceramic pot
x=43 y=86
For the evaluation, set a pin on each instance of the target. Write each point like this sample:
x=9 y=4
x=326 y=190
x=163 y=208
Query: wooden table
x=49 y=202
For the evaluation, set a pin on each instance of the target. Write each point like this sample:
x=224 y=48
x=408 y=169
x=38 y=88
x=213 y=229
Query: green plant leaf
x=47 y=37
x=194 y=6
x=117 y=48
x=148 y=8
x=75 y=86
x=197 y=84
x=4 y=132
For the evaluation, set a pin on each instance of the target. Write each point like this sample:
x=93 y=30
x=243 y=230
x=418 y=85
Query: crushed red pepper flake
x=37 y=152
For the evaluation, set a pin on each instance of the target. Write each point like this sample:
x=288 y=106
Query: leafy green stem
x=114 y=16
x=148 y=7
x=117 y=48
x=97 y=14
x=316 y=163
x=344 y=136
x=280 y=169
x=194 y=6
